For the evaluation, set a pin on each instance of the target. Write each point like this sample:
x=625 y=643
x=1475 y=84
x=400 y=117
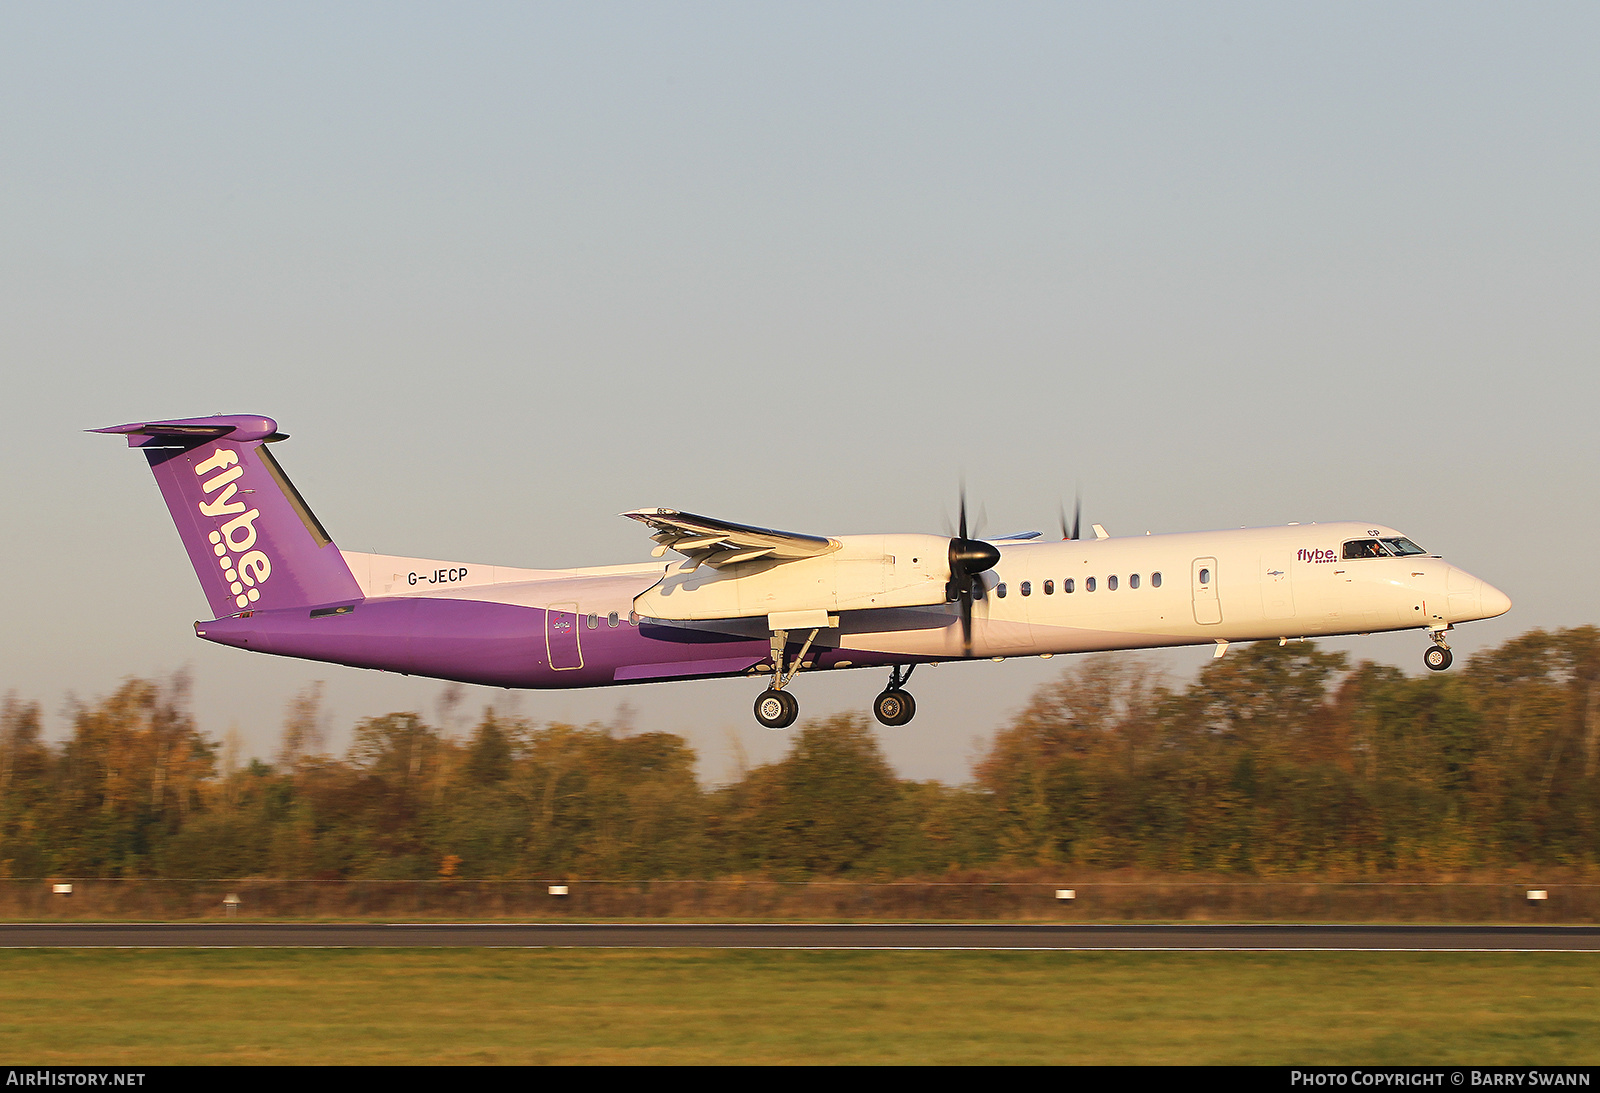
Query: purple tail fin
x=253 y=541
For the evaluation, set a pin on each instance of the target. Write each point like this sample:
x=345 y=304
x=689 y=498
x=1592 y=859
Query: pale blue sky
x=505 y=271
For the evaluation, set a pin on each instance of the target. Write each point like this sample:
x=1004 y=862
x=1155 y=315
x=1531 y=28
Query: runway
x=1198 y=938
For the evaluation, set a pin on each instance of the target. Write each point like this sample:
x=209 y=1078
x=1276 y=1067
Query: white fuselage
x=1247 y=584
x=1041 y=597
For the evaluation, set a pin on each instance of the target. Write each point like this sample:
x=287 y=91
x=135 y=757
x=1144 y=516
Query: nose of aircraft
x=1472 y=597
x=1491 y=601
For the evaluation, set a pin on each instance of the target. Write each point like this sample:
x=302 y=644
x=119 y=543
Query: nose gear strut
x=1439 y=657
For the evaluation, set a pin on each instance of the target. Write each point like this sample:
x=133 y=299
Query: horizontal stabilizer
x=180 y=432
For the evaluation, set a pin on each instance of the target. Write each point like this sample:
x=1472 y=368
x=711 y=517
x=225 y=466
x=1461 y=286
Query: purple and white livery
x=747 y=601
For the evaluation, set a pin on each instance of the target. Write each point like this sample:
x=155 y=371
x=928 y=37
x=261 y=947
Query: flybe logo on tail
x=244 y=569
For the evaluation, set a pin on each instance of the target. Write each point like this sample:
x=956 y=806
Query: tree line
x=1276 y=760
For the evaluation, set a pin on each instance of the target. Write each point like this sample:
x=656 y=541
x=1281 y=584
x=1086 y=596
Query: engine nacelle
x=866 y=572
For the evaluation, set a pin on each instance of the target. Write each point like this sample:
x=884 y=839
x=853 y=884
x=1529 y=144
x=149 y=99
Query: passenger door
x=561 y=636
x=1203 y=581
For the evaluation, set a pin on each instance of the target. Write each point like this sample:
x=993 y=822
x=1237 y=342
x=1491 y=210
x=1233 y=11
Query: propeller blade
x=1077 y=513
x=966 y=621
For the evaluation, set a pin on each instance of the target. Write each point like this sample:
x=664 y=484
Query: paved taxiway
x=806 y=936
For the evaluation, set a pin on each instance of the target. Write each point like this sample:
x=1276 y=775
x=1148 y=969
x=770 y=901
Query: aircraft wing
x=717 y=543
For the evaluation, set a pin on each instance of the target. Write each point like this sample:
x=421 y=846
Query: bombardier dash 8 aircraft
x=747 y=601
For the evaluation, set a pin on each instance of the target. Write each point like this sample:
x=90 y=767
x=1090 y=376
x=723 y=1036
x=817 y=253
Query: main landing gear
x=1438 y=658
x=776 y=708
x=895 y=706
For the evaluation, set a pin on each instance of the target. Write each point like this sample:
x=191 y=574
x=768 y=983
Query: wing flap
x=705 y=540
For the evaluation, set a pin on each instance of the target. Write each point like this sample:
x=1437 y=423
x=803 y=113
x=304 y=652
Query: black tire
x=1438 y=658
x=776 y=709
x=911 y=708
x=894 y=707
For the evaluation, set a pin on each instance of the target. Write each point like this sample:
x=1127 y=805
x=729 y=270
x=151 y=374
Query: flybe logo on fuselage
x=244 y=569
x=1317 y=555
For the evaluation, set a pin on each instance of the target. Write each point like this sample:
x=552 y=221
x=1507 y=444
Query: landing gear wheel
x=894 y=707
x=777 y=709
x=1438 y=658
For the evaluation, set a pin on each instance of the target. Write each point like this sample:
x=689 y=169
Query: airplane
x=754 y=602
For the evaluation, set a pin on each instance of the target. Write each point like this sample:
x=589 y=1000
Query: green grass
x=142 y=1007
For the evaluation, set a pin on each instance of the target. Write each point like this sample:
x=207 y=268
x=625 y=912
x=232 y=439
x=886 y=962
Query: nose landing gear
x=1438 y=658
x=895 y=706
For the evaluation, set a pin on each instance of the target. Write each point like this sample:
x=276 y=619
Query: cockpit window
x=1403 y=547
x=1364 y=548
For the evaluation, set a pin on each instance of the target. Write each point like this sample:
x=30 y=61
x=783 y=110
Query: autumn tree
x=131 y=773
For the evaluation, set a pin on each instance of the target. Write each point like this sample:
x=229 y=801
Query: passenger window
x=1111 y=584
x=1027 y=588
x=611 y=619
x=1155 y=580
x=1000 y=590
x=594 y=620
x=1049 y=588
x=1205 y=576
x=1133 y=580
x=1088 y=584
x=1067 y=585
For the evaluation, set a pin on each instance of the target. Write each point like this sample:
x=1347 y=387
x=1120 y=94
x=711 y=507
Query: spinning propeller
x=1077 y=512
x=968 y=560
